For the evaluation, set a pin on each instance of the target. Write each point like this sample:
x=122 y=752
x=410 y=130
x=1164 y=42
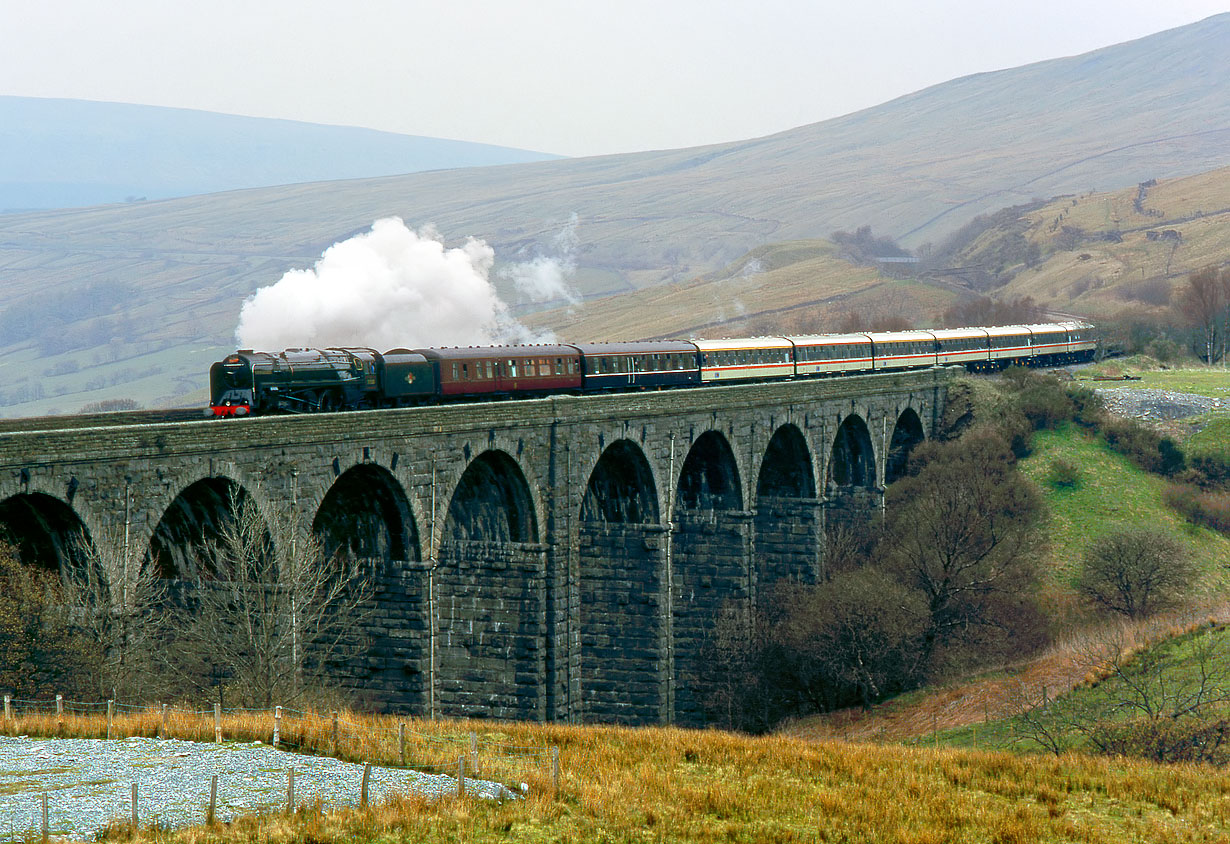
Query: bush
x=1090 y=411
x=1136 y=572
x=1202 y=507
x=41 y=653
x=1144 y=446
x=1213 y=469
x=1064 y=474
x=1166 y=740
x=1045 y=403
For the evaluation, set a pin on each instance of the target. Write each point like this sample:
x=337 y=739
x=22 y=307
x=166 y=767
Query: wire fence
x=378 y=739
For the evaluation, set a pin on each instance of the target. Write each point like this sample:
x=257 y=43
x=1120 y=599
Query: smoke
x=387 y=288
x=547 y=276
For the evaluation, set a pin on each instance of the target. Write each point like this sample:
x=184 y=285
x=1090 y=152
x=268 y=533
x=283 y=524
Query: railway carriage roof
x=960 y=333
x=662 y=347
x=1008 y=331
x=498 y=352
x=900 y=336
x=828 y=339
x=743 y=343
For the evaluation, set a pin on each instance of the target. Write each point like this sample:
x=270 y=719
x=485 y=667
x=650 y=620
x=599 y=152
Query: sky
x=572 y=77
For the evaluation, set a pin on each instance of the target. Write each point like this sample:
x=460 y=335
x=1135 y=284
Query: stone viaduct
x=551 y=559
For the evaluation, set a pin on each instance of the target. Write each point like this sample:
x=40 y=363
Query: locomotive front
x=231 y=387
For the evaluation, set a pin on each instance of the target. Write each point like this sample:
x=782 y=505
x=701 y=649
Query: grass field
x=1111 y=492
x=662 y=784
x=1101 y=697
x=1213 y=382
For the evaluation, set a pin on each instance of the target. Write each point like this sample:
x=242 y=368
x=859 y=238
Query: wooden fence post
x=401 y=741
x=213 y=801
x=367 y=775
x=277 y=725
x=46 y=830
x=555 y=767
x=335 y=732
x=473 y=753
x=134 y=806
x=290 y=791
x=60 y=706
x=165 y=733
x=110 y=716
x=8 y=707
x=461 y=776
x=218 y=723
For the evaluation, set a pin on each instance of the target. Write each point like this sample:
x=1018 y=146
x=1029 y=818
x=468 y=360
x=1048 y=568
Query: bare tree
x=116 y=596
x=40 y=650
x=1202 y=302
x=964 y=531
x=270 y=611
x=1162 y=702
x=1136 y=571
x=861 y=632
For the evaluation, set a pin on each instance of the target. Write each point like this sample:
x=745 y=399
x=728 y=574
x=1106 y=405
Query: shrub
x=1045 y=403
x=1089 y=410
x=1064 y=474
x=1166 y=739
x=1213 y=469
x=41 y=654
x=1144 y=446
x=1202 y=507
x=1136 y=572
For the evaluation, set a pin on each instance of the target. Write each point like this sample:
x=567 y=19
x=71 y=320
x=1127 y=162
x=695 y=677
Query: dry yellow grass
x=1098 y=277
x=665 y=784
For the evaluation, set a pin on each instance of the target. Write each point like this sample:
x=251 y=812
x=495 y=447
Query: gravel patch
x=1154 y=405
x=89 y=782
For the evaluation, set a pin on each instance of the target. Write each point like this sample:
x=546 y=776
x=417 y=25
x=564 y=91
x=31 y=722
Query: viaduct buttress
x=551 y=559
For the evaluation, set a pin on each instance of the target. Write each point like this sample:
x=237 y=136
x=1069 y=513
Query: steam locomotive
x=314 y=380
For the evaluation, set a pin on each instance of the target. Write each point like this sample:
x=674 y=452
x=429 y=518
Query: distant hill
x=67 y=153
x=136 y=299
x=1097 y=254
x=799 y=287
x=1102 y=254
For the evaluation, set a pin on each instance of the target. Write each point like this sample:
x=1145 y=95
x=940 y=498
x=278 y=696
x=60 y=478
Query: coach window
x=454 y=372
x=512 y=368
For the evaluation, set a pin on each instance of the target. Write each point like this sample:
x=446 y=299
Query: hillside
x=802 y=287
x=164 y=280
x=1103 y=253
x=1096 y=254
x=63 y=153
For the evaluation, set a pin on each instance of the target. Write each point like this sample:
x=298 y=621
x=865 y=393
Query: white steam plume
x=387 y=288
x=548 y=276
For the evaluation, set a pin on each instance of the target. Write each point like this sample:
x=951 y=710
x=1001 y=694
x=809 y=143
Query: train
x=250 y=382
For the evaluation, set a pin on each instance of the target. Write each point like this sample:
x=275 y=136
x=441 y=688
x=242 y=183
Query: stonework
x=524 y=574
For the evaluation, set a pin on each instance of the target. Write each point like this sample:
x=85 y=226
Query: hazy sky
x=564 y=76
